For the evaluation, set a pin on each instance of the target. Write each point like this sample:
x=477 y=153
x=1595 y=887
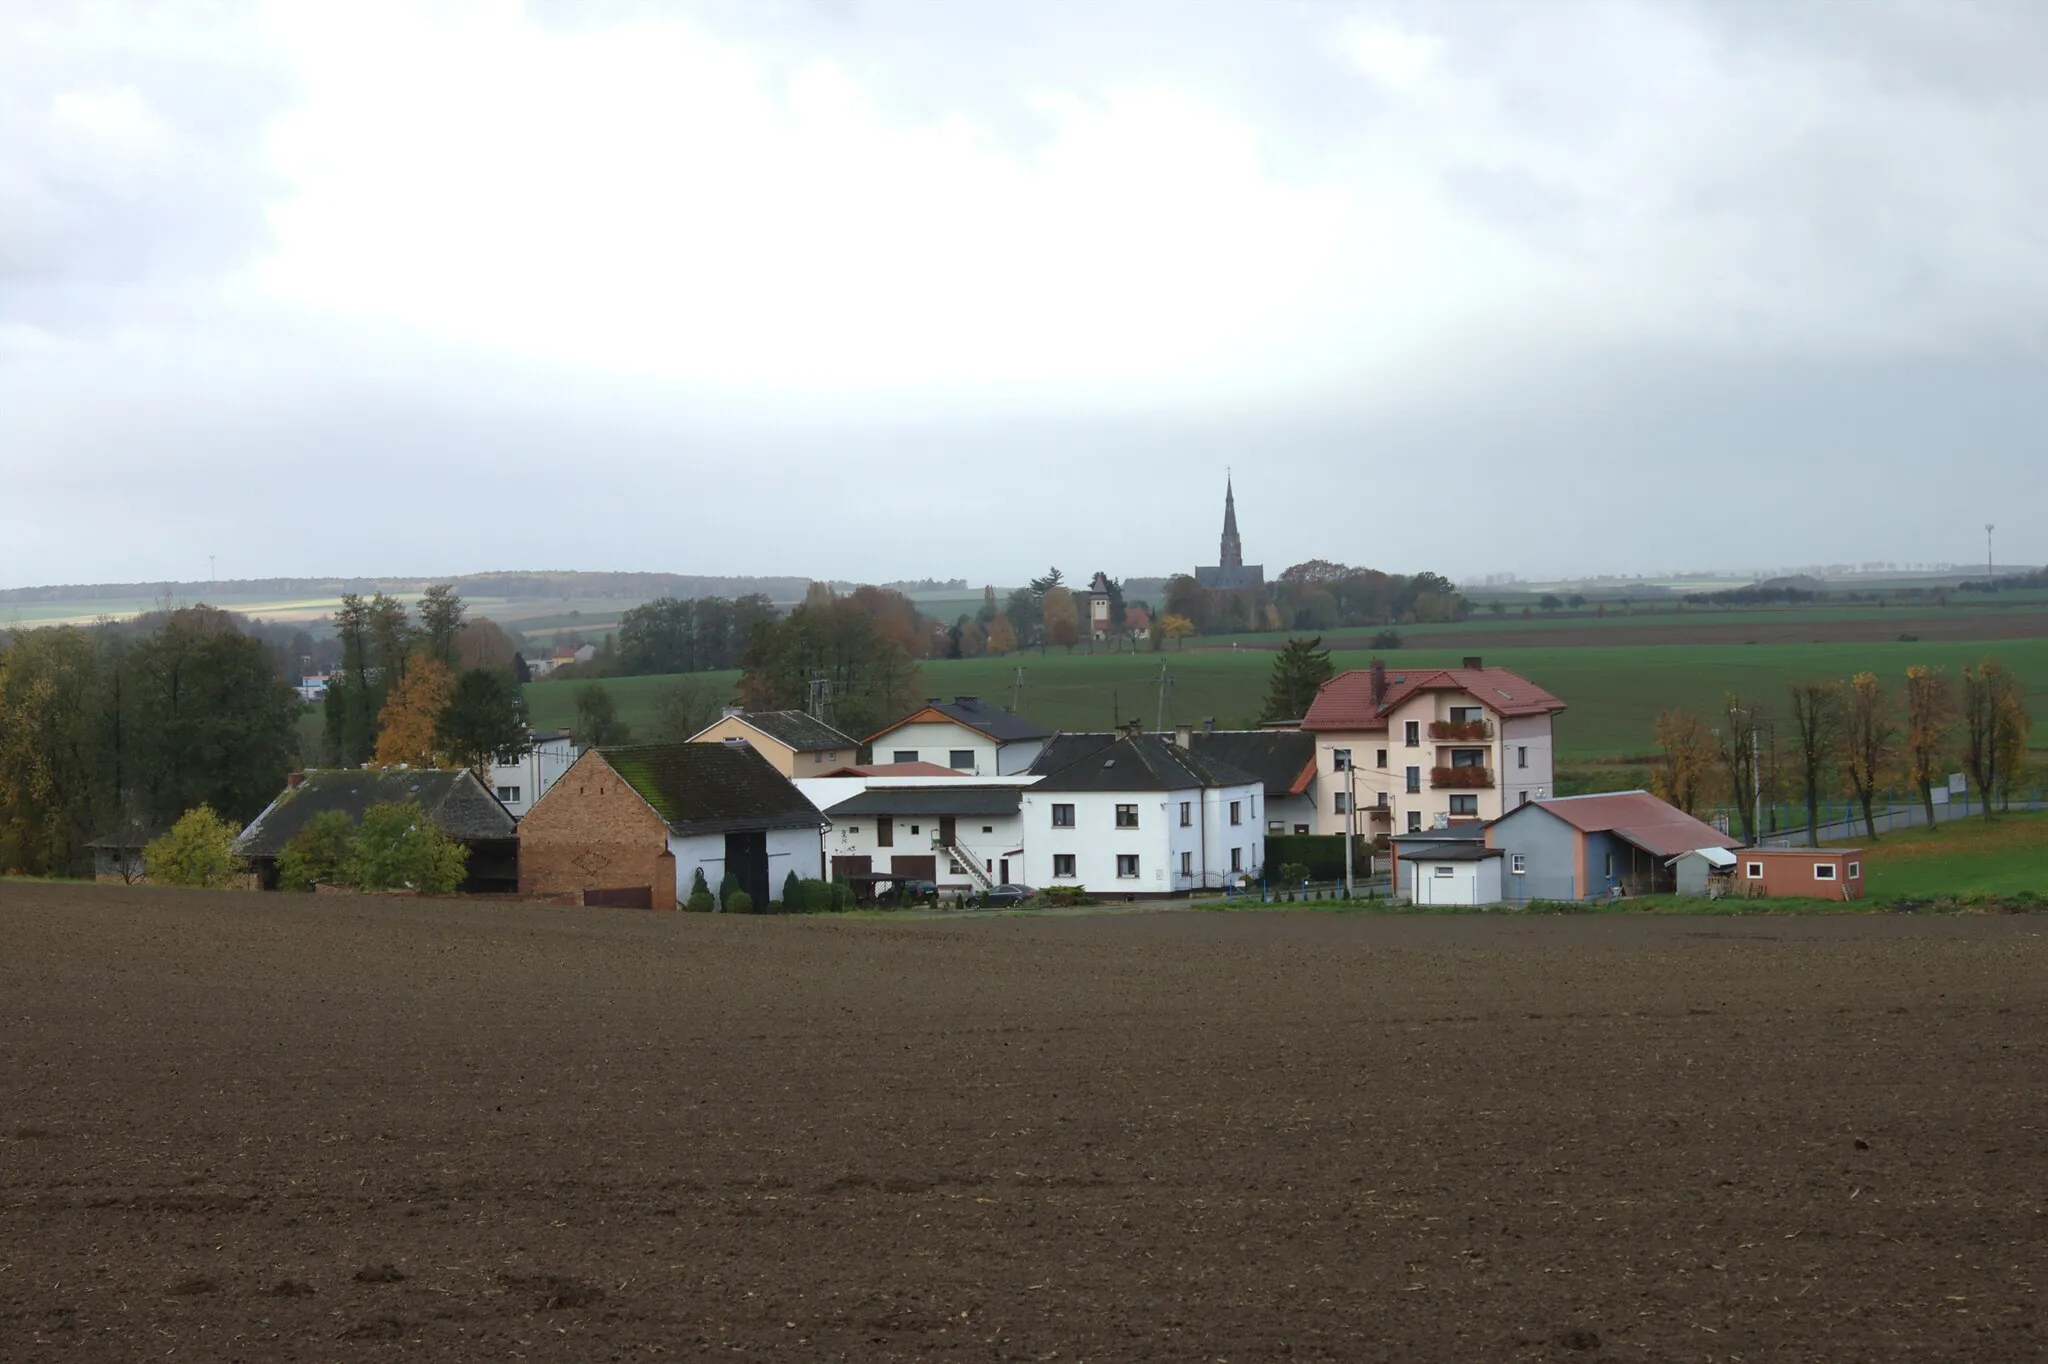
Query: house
x=117 y=858
x=1811 y=873
x=1143 y=816
x=966 y=734
x=1284 y=761
x=312 y=687
x=963 y=836
x=1447 y=867
x=1137 y=622
x=1578 y=847
x=1428 y=747
x=633 y=824
x=456 y=802
x=795 y=744
x=524 y=780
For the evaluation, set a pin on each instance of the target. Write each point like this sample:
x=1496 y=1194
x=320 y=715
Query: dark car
x=1008 y=895
x=910 y=893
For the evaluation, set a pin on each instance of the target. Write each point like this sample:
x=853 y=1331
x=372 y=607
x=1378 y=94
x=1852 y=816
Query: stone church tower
x=1231 y=572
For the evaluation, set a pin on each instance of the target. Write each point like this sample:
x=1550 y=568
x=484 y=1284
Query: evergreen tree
x=484 y=718
x=1299 y=670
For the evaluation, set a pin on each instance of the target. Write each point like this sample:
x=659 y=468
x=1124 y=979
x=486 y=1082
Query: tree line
x=1317 y=595
x=1854 y=737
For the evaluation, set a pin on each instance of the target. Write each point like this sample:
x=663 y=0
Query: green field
x=1612 y=694
x=1974 y=856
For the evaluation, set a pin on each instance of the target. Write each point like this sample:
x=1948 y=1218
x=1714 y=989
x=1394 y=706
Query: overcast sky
x=882 y=288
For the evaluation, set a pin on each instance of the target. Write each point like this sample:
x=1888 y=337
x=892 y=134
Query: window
x=1187 y=864
x=962 y=760
x=988 y=828
x=1464 y=805
x=1340 y=759
x=1126 y=816
x=1301 y=828
x=508 y=794
x=1468 y=757
x=1187 y=814
x=1237 y=859
x=1823 y=871
x=1382 y=802
x=1062 y=864
x=1340 y=807
x=906 y=755
x=1127 y=866
x=1414 y=779
x=1855 y=871
x=1062 y=816
x=1412 y=732
x=1518 y=864
x=1415 y=821
x=913 y=831
x=1754 y=871
x=1521 y=755
x=1237 y=812
x=885 y=832
x=1523 y=801
x=1441 y=873
x=1276 y=826
x=1380 y=757
x=1607 y=868
x=1467 y=715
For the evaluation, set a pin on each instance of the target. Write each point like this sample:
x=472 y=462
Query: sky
x=879 y=289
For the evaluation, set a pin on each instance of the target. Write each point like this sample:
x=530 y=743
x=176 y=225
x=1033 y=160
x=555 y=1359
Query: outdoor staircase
x=973 y=864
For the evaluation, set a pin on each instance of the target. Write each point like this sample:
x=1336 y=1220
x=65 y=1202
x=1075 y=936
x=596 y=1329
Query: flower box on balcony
x=1455 y=777
x=1461 y=731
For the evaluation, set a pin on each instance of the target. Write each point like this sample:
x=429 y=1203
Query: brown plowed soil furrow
x=265 y=1127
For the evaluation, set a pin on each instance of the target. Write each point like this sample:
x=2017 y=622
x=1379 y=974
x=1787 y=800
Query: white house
x=965 y=734
x=1281 y=757
x=1143 y=816
x=963 y=836
x=524 y=780
x=1426 y=748
x=1447 y=870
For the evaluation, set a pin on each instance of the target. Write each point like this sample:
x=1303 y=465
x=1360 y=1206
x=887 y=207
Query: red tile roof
x=1641 y=818
x=1345 y=701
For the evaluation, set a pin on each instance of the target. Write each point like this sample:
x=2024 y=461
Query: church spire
x=1232 y=553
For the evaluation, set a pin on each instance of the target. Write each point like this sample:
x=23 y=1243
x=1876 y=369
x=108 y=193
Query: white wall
x=1539 y=778
x=533 y=774
x=934 y=742
x=1013 y=758
x=1158 y=842
x=1469 y=883
x=987 y=838
x=798 y=850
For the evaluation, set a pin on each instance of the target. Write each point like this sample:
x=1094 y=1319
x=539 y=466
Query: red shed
x=1810 y=873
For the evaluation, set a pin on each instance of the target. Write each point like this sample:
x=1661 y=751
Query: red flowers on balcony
x=1457 y=777
x=1461 y=731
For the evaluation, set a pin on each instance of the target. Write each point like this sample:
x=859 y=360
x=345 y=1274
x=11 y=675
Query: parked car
x=910 y=893
x=1007 y=894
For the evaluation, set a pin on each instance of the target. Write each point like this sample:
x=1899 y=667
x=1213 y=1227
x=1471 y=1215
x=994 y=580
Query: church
x=1232 y=572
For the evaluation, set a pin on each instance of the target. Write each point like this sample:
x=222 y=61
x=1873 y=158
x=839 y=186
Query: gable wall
x=591 y=831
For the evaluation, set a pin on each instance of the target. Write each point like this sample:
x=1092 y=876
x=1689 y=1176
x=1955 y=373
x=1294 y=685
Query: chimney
x=1183 y=736
x=966 y=701
x=1208 y=724
x=1134 y=729
x=933 y=700
x=1379 y=683
x=727 y=712
x=1472 y=662
x=292 y=782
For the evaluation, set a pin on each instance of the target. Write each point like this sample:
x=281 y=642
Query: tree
x=1550 y=601
x=1021 y=609
x=199 y=850
x=973 y=640
x=1685 y=755
x=1062 y=618
x=1299 y=671
x=1994 y=725
x=1869 y=741
x=597 y=717
x=1176 y=627
x=1817 y=725
x=1002 y=636
x=317 y=853
x=1043 y=585
x=700 y=901
x=684 y=708
x=483 y=643
x=407 y=727
x=838 y=653
x=792 y=893
x=1930 y=718
x=441 y=612
x=484 y=719
x=353 y=696
x=399 y=848
x=1740 y=753
x=392 y=636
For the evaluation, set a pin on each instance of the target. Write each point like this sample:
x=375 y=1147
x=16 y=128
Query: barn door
x=746 y=857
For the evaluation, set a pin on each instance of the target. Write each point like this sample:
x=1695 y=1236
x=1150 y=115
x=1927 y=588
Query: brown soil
x=1880 y=628
x=265 y=1127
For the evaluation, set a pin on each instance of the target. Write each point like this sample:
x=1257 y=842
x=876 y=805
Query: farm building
x=1577 y=847
x=1808 y=873
x=453 y=799
x=632 y=825
x=962 y=836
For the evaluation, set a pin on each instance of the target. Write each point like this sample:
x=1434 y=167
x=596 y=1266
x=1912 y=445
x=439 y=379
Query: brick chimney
x=292 y=782
x=1134 y=729
x=1379 y=682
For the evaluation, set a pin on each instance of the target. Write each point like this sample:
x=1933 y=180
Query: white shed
x=1702 y=871
x=1459 y=872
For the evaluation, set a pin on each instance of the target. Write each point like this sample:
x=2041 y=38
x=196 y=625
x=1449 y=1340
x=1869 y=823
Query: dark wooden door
x=746 y=857
x=925 y=868
x=850 y=867
x=946 y=830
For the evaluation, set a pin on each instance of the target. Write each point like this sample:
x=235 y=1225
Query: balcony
x=1461 y=731
x=1460 y=778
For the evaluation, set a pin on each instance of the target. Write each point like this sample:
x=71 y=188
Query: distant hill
x=566 y=585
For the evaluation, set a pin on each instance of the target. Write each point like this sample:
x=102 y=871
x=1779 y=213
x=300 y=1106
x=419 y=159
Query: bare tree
x=1817 y=723
x=1930 y=719
x=1739 y=744
x=1870 y=741
x=1685 y=757
x=1994 y=725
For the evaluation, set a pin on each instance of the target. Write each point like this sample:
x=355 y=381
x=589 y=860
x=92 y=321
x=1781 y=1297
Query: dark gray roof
x=1274 y=757
x=1146 y=763
x=932 y=800
x=976 y=713
x=457 y=803
x=711 y=788
x=804 y=733
x=1062 y=751
x=1451 y=850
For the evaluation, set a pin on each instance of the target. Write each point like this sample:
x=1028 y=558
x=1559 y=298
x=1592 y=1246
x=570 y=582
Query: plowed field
x=262 y=1127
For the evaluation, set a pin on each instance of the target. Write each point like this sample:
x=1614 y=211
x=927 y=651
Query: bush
x=1386 y=639
x=793 y=894
x=700 y=901
x=842 y=896
x=1293 y=873
x=728 y=888
x=199 y=850
x=739 y=902
x=817 y=896
x=399 y=848
x=317 y=853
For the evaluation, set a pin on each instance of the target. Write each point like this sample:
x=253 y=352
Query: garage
x=1451 y=873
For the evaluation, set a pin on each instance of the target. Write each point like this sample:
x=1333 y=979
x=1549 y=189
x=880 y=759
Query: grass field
x=2003 y=856
x=1613 y=694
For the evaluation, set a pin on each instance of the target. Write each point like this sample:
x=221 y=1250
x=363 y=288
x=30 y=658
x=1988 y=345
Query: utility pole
x=1165 y=693
x=1016 y=691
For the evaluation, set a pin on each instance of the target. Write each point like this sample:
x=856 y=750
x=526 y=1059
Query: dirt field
x=252 y=1128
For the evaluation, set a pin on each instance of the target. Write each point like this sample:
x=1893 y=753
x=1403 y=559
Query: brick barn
x=631 y=825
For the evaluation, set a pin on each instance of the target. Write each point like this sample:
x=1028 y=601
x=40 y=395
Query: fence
x=1842 y=820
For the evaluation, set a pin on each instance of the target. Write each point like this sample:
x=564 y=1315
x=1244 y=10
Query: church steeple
x=1232 y=552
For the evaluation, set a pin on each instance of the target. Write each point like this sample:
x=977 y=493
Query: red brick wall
x=591 y=831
